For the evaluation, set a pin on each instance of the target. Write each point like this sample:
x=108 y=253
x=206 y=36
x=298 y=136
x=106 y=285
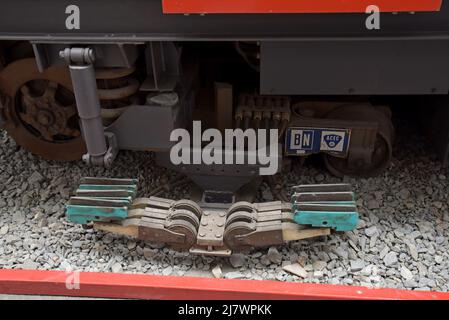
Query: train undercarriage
x=89 y=93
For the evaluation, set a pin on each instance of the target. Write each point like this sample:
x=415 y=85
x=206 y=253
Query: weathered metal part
x=126 y=91
x=78 y=55
x=83 y=210
x=235 y=231
x=131 y=230
x=104 y=193
x=337 y=187
x=188 y=205
x=45 y=114
x=161 y=202
x=129 y=188
x=182 y=214
x=102 y=148
x=251 y=109
x=370 y=152
x=187 y=229
x=294 y=232
x=212 y=228
x=320 y=207
x=150 y=230
x=215 y=252
x=108 y=181
x=80 y=61
x=152 y=213
x=115 y=88
x=101 y=199
x=41 y=115
x=241 y=206
x=100 y=202
x=367 y=142
x=322 y=196
x=113 y=73
x=241 y=216
x=266 y=234
x=334 y=218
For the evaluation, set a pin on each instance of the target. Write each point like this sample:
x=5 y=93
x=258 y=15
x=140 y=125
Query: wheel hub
x=45 y=118
x=45 y=114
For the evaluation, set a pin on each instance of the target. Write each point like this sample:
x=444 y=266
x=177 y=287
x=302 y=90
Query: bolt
x=204 y=223
x=43 y=119
x=220 y=224
x=218 y=235
x=202 y=234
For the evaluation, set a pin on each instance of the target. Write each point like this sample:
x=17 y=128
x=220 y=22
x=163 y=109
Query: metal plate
x=305 y=140
x=295 y=6
x=212 y=227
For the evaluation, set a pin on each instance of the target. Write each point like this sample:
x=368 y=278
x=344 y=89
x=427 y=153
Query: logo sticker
x=301 y=139
x=332 y=141
x=307 y=140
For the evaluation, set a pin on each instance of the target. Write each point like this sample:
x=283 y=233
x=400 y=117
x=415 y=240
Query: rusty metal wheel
x=187 y=215
x=232 y=233
x=189 y=205
x=186 y=228
x=380 y=159
x=240 y=216
x=41 y=115
x=383 y=149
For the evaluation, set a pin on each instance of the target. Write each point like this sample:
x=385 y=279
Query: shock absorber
x=116 y=90
x=101 y=147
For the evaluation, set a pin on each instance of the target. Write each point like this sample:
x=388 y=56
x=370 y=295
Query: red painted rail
x=296 y=6
x=113 y=285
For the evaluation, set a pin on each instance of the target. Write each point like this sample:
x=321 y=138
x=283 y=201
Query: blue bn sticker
x=303 y=141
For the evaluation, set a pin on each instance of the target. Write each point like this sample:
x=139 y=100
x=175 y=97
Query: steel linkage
x=216 y=229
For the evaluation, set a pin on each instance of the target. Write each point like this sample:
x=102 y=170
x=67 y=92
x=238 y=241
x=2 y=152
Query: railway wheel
x=41 y=115
x=186 y=228
x=232 y=233
x=382 y=153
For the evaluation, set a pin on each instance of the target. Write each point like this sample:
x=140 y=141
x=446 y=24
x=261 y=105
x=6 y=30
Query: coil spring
x=116 y=88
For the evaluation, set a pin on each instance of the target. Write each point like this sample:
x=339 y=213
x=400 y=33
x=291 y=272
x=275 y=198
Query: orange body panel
x=296 y=6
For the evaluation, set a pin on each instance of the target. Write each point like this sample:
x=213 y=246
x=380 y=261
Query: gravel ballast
x=401 y=240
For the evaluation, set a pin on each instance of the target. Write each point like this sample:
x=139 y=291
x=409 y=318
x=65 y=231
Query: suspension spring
x=117 y=88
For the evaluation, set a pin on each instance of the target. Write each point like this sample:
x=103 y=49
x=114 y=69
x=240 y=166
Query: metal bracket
x=108 y=157
x=78 y=55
